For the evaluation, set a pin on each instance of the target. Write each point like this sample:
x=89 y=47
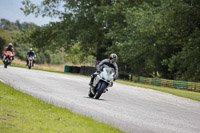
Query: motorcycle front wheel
x=29 y=64
x=5 y=64
x=101 y=90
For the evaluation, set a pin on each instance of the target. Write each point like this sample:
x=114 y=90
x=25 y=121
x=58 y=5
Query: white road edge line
x=2 y=81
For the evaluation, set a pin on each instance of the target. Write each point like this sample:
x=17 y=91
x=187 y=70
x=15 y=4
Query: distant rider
x=9 y=48
x=31 y=53
x=111 y=62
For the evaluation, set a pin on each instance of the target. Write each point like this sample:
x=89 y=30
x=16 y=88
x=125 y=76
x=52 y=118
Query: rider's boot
x=91 y=80
x=92 y=90
x=105 y=90
x=4 y=57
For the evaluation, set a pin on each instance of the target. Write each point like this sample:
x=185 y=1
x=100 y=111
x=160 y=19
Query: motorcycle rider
x=111 y=62
x=31 y=53
x=9 y=48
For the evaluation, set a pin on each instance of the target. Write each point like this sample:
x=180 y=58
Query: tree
x=82 y=19
x=5 y=38
x=151 y=37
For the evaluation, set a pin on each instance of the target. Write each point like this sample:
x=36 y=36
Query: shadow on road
x=95 y=99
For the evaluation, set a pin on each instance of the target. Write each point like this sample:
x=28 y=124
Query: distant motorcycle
x=30 y=61
x=101 y=82
x=8 y=58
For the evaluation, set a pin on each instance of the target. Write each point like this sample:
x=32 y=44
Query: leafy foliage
x=77 y=56
x=11 y=26
x=24 y=43
x=152 y=38
x=5 y=38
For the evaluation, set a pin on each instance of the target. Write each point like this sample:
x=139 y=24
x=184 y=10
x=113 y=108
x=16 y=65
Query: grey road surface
x=131 y=109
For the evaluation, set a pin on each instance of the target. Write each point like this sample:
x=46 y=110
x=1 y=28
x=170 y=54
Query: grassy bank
x=177 y=92
x=21 y=63
x=20 y=112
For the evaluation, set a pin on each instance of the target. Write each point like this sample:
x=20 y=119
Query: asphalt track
x=131 y=109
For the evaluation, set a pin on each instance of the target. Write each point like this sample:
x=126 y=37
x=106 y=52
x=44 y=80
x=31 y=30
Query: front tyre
x=100 y=91
x=5 y=64
x=29 y=64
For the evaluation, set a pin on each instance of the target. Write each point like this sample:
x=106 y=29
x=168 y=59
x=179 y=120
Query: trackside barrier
x=72 y=69
x=147 y=81
x=67 y=68
x=155 y=81
x=192 y=86
x=141 y=80
x=86 y=70
x=167 y=83
x=75 y=69
x=180 y=84
x=134 y=78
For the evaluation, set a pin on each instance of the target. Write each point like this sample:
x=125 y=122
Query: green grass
x=182 y=93
x=22 y=113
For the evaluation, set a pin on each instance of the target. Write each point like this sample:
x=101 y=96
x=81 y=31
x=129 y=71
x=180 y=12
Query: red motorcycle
x=8 y=57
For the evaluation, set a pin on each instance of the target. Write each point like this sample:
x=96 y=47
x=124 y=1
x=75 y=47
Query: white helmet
x=113 y=58
x=10 y=45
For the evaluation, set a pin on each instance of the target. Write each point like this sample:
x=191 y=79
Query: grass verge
x=183 y=93
x=20 y=112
